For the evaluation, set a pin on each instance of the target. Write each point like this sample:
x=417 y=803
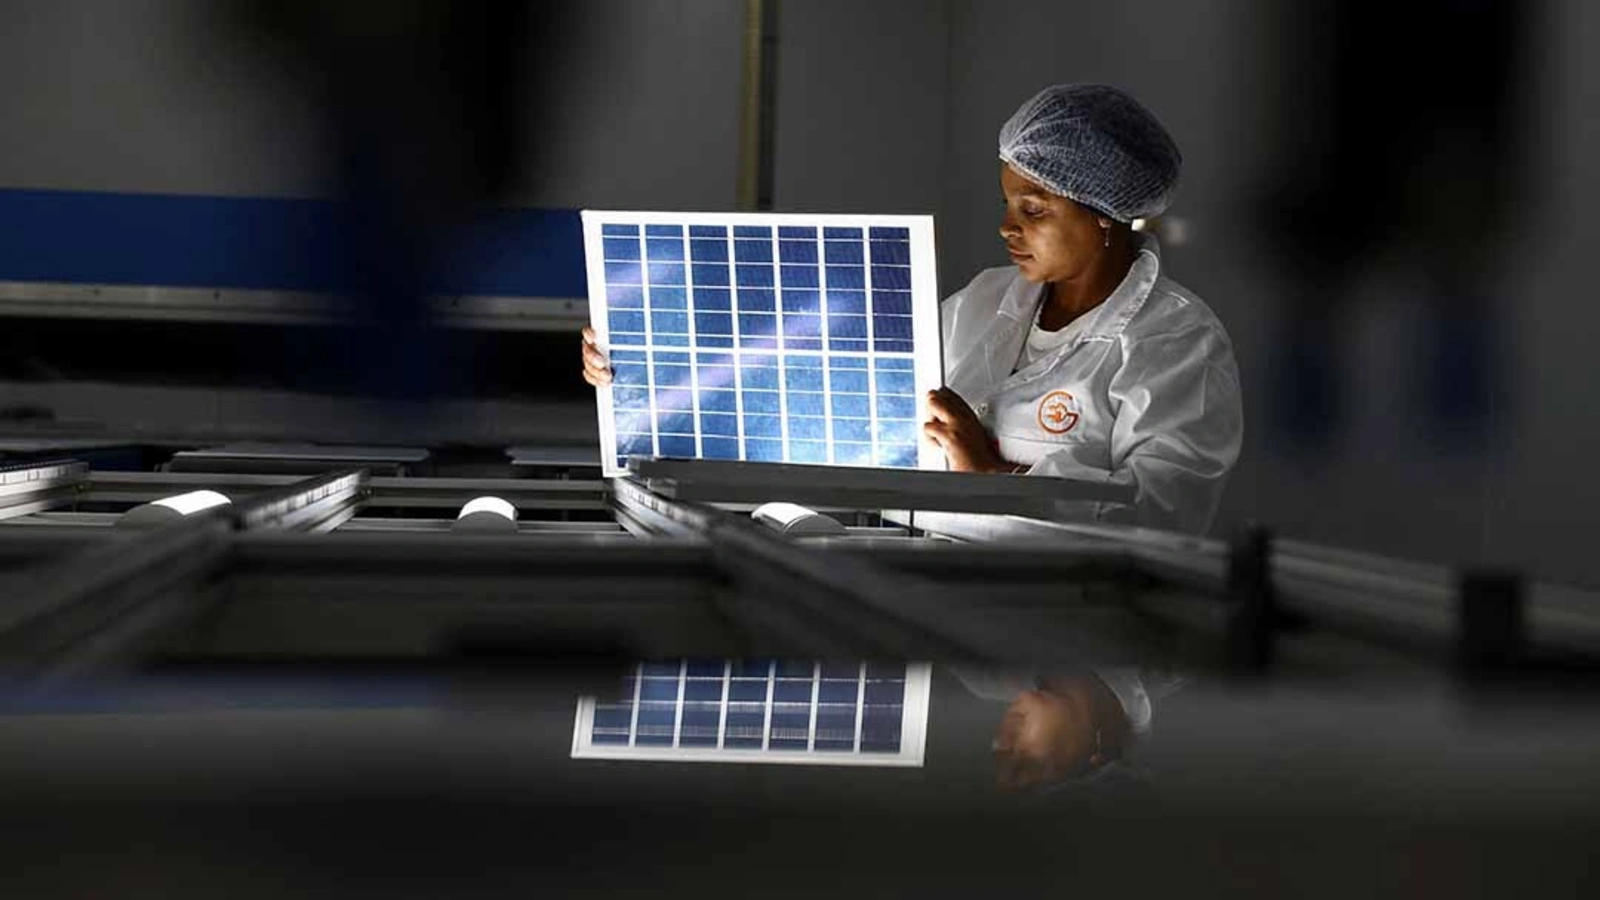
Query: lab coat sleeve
x=1176 y=434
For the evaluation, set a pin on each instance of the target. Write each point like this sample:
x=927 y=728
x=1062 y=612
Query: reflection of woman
x=1082 y=360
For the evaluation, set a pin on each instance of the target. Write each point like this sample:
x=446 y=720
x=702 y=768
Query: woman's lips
x=1017 y=255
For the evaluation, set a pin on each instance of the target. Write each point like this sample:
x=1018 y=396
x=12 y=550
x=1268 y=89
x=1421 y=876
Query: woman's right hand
x=596 y=368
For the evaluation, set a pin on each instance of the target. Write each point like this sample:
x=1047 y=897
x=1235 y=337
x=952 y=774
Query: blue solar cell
x=802 y=302
x=609 y=229
x=629 y=373
x=890 y=382
x=682 y=446
x=848 y=303
x=897 y=431
x=802 y=326
x=752 y=251
x=853 y=406
x=718 y=401
x=896 y=327
x=621 y=249
x=889 y=345
x=804 y=232
x=895 y=406
x=840 y=691
x=674 y=422
x=893 y=303
x=635 y=444
x=846 y=277
x=710 y=274
x=892 y=277
x=849 y=454
x=879 y=233
x=792 y=690
x=630 y=398
x=707 y=231
x=761 y=426
x=713 y=323
x=669 y=322
x=894 y=253
x=807 y=428
x=852 y=429
x=660 y=250
x=668 y=298
x=626 y=321
x=833 y=232
x=664 y=231
x=668 y=273
x=762 y=402
x=807 y=404
x=842 y=253
x=847 y=326
x=712 y=298
x=847 y=345
x=798 y=252
x=752 y=231
x=623 y=273
x=671 y=340
x=754 y=276
x=799 y=276
x=758 y=372
x=708 y=251
x=757 y=324
x=899 y=456
x=802 y=378
x=807 y=451
x=629 y=356
x=890 y=363
x=763 y=450
x=847 y=381
x=625 y=296
x=719 y=424
x=757 y=301
x=712 y=447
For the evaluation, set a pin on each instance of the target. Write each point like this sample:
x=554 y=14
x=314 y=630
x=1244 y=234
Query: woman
x=1081 y=360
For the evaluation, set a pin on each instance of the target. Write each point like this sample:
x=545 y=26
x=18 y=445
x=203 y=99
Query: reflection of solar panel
x=761 y=711
x=764 y=337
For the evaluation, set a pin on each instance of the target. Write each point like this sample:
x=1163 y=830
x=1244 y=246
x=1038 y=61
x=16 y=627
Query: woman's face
x=1050 y=238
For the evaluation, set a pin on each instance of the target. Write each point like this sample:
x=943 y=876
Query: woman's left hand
x=957 y=431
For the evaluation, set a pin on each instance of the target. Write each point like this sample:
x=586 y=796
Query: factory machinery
x=354 y=633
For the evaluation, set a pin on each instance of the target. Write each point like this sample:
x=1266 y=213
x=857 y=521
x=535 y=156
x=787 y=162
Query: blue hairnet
x=1096 y=145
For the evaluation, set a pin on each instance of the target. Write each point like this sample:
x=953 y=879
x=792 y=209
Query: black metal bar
x=1252 y=622
x=1490 y=636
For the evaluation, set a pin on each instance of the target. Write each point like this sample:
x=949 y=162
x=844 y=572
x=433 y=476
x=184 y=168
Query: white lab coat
x=1145 y=391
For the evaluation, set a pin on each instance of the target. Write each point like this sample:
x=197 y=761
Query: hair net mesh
x=1096 y=145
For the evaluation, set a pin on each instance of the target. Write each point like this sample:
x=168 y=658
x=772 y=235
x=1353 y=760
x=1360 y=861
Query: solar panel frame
x=659 y=688
x=756 y=279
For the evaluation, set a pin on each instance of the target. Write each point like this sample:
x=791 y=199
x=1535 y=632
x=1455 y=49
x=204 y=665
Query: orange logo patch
x=1055 y=413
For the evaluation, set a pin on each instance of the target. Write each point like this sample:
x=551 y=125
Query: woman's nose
x=1008 y=227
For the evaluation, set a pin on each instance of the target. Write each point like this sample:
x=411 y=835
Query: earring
x=1107 y=230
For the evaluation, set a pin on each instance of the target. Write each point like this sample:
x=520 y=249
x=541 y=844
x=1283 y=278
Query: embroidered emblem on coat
x=1055 y=412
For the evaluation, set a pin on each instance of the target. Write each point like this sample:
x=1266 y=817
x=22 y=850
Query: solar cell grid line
x=816 y=685
x=722 y=717
x=766 y=723
x=633 y=720
x=677 y=708
x=861 y=704
x=787 y=305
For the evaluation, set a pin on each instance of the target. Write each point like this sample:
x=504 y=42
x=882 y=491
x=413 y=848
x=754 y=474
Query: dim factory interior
x=324 y=571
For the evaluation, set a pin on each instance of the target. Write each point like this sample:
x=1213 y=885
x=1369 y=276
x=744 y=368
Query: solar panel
x=761 y=711
x=765 y=337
